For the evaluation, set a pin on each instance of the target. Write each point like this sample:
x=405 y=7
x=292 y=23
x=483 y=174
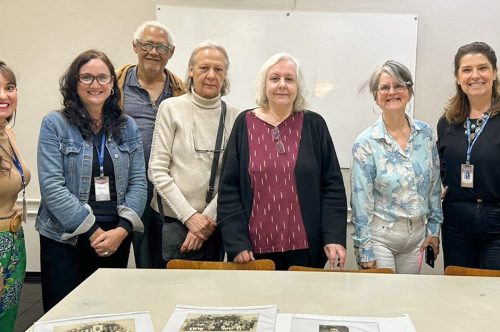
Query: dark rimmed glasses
x=88 y=79
x=280 y=147
x=160 y=48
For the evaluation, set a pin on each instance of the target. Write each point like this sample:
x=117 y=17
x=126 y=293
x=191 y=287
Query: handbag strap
x=215 y=162
x=217 y=151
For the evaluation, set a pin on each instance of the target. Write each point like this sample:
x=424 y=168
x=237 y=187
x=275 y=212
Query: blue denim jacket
x=65 y=171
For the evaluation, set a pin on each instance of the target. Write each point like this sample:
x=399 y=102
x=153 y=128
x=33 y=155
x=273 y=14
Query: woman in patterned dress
x=395 y=187
x=282 y=195
x=14 y=176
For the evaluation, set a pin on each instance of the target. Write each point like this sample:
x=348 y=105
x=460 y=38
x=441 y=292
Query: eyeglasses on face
x=160 y=48
x=88 y=79
x=386 y=88
x=280 y=147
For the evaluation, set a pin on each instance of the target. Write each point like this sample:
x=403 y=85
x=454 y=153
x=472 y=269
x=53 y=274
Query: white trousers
x=397 y=245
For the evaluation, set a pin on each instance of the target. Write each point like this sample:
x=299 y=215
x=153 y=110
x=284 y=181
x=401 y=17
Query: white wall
x=40 y=38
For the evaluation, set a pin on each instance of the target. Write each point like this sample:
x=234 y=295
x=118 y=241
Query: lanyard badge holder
x=467 y=169
x=101 y=182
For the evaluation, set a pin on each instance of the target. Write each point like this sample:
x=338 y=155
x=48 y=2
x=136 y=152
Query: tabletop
x=434 y=303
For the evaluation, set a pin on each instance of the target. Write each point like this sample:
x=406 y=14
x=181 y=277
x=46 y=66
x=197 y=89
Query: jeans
x=142 y=252
x=397 y=245
x=471 y=234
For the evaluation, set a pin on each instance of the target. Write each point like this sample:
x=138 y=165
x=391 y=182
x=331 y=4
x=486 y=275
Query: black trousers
x=64 y=267
x=283 y=260
x=471 y=234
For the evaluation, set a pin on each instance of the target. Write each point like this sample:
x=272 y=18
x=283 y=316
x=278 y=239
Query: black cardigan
x=320 y=189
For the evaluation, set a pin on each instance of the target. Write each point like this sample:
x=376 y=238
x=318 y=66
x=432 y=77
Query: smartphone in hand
x=429 y=256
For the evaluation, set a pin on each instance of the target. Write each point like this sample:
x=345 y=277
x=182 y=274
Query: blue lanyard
x=17 y=163
x=100 y=154
x=19 y=168
x=470 y=143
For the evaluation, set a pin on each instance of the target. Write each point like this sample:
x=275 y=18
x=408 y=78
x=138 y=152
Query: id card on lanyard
x=101 y=182
x=467 y=169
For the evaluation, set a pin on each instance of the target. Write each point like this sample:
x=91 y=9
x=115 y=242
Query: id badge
x=467 y=176
x=101 y=184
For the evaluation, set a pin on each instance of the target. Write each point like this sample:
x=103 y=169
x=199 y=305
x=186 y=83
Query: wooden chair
x=468 y=271
x=313 y=269
x=260 y=264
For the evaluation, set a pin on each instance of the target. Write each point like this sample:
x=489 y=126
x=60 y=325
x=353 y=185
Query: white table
x=434 y=303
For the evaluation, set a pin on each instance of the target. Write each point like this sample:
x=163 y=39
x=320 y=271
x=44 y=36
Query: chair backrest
x=468 y=271
x=313 y=269
x=260 y=264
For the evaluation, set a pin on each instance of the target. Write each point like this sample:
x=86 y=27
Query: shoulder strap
x=217 y=151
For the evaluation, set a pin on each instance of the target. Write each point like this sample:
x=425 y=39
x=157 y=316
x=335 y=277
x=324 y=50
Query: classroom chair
x=313 y=269
x=468 y=271
x=260 y=264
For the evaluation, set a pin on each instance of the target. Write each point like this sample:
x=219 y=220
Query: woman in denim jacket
x=92 y=179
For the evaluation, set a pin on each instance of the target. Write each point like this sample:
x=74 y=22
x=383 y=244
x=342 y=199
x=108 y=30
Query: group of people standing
x=136 y=149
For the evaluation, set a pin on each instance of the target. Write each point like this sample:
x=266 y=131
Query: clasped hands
x=200 y=228
x=106 y=243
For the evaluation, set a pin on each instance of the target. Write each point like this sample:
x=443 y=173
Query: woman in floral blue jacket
x=396 y=205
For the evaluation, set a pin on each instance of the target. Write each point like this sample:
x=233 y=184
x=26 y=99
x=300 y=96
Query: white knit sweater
x=179 y=166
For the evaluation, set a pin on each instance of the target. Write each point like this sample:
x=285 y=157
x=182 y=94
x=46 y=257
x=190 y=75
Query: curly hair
x=10 y=77
x=73 y=108
x=458 y=106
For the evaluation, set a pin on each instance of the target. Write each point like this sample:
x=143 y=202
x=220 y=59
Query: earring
x=112 y=92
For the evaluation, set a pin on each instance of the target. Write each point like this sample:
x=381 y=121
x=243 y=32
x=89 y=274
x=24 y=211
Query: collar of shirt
x=133 y=80
x=378 y=130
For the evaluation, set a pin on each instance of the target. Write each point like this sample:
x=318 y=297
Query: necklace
x=475 y=125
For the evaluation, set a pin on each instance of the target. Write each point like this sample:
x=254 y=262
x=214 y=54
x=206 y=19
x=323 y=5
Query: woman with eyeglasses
x=395 y=188
x=184 y=158
x=92 y=179
x=282 y=196
x=14 y=177
x=469 y=150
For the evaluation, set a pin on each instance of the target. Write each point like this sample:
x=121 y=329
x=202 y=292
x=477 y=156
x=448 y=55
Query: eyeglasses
x=386 y=88
x=280 y=147
x=88 y=79
x=160 y=48
x=197 y=147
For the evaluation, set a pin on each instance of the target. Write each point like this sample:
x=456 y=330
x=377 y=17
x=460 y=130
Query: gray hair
x=299 y=103
x=399 y=72
x=153 y=24
x=203 y=46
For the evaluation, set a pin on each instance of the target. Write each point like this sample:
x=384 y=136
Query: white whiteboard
x=338 y=53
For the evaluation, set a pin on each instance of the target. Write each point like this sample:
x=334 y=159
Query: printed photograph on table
x=125 y=325
x=228 y=319
x=333 y=328
x=321 y=323
x=121 y=322
x=220 y=322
